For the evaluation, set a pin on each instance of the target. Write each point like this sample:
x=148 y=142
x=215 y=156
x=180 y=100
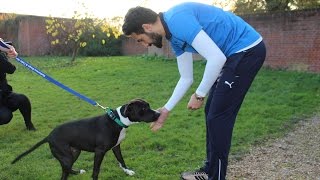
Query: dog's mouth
x=157 y=115
x=154 y=117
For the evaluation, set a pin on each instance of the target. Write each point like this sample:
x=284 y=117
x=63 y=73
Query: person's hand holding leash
x=164 y=113
x=195 y=102
x=11 y=51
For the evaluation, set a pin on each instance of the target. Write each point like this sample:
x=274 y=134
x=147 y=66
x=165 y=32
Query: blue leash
x=50 y=79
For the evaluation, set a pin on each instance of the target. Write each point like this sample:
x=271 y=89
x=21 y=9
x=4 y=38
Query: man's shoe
x=196 y=175
x=30 y=127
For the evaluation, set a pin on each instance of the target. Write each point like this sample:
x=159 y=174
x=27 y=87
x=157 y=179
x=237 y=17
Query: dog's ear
x=137 y=100
x=127 y=110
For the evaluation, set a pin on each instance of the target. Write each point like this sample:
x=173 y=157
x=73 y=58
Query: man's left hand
x=194 y=103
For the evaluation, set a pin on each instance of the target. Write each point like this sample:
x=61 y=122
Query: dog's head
x=138 y=110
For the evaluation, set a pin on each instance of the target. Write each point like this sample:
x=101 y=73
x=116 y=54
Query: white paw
x=129 y=172
x=82 y=171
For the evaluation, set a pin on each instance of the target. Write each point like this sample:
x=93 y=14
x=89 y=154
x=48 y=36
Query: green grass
x=276 y=101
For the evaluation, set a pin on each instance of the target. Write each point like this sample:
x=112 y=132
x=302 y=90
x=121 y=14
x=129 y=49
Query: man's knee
x=16 y=101
x=5 y=116
x=23 y=98
x=19 y=97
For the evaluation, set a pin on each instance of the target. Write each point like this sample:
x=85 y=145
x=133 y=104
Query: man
x=234 y=52
x=10 y=101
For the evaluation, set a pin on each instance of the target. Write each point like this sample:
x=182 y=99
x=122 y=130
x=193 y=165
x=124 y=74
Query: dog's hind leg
x=75 y=154
x=66 y=166
x=63 y=154
x=117 y=152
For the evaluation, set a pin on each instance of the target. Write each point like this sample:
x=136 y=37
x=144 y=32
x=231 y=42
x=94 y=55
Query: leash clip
x=101 y=106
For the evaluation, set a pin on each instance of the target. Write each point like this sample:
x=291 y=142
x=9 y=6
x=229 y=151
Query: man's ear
x=147 y=28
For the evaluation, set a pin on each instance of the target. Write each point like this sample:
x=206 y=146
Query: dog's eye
x=142 y=111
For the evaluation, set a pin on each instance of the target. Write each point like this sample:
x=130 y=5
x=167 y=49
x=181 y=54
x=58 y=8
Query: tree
x=305 y=4
x=251 y=6
x=277 y=5
x=9 y=24
x=68 y=32
x=105 y=41
x=226 y=5
x=73 y=34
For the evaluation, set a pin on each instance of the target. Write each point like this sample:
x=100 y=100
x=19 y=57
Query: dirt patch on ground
x=296 y=156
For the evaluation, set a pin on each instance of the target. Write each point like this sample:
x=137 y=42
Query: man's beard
x=156 y=39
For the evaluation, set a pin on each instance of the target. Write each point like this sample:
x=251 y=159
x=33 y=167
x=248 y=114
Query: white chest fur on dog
x=125 y=121
x=121 y=136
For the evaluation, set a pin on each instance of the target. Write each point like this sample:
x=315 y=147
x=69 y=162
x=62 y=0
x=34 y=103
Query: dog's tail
x=30 y=150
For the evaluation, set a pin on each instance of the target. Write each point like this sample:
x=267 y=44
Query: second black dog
x=97 y=134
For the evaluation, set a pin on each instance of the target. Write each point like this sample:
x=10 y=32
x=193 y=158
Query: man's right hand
x=164 y=113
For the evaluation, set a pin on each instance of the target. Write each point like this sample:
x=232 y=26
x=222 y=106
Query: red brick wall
x=28 y=34
x=32 y=37
x=292 y=38
x=131 y=47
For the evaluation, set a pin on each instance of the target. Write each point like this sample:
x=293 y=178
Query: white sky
x=99 y=8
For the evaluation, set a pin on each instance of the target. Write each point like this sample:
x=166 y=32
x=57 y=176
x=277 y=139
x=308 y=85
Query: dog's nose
x=157 y=114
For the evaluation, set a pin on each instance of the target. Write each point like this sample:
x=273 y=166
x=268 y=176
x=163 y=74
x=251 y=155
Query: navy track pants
x=12 y=103
x=223 y=103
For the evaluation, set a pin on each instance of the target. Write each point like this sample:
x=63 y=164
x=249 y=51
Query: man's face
x=148 y=39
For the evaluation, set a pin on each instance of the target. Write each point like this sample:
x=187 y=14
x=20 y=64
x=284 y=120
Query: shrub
x=102 y=44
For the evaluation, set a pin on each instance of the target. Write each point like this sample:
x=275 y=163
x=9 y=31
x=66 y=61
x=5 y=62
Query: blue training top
x=228 y=31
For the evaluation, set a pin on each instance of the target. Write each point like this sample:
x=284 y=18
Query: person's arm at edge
x=185 y=66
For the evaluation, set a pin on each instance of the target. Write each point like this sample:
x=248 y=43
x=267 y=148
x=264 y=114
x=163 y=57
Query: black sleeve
x=5 y=65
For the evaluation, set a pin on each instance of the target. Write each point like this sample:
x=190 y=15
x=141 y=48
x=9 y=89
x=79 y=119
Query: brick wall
x=28 y=34
x=292 y=38
x=131 y=47
x=32 y=37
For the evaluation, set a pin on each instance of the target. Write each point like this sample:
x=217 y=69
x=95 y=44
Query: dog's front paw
x=129 y=172
x=126 y=170
x=82 y=171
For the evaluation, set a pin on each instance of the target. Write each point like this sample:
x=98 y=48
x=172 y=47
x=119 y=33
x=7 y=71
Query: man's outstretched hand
x=164 y=113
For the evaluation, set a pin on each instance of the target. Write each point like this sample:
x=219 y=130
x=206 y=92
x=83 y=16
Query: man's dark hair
x=134 y=19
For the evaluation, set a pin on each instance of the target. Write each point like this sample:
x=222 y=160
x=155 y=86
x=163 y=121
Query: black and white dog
x=97 y=134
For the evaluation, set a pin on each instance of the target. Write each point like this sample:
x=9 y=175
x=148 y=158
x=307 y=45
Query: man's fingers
x=155 y=126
